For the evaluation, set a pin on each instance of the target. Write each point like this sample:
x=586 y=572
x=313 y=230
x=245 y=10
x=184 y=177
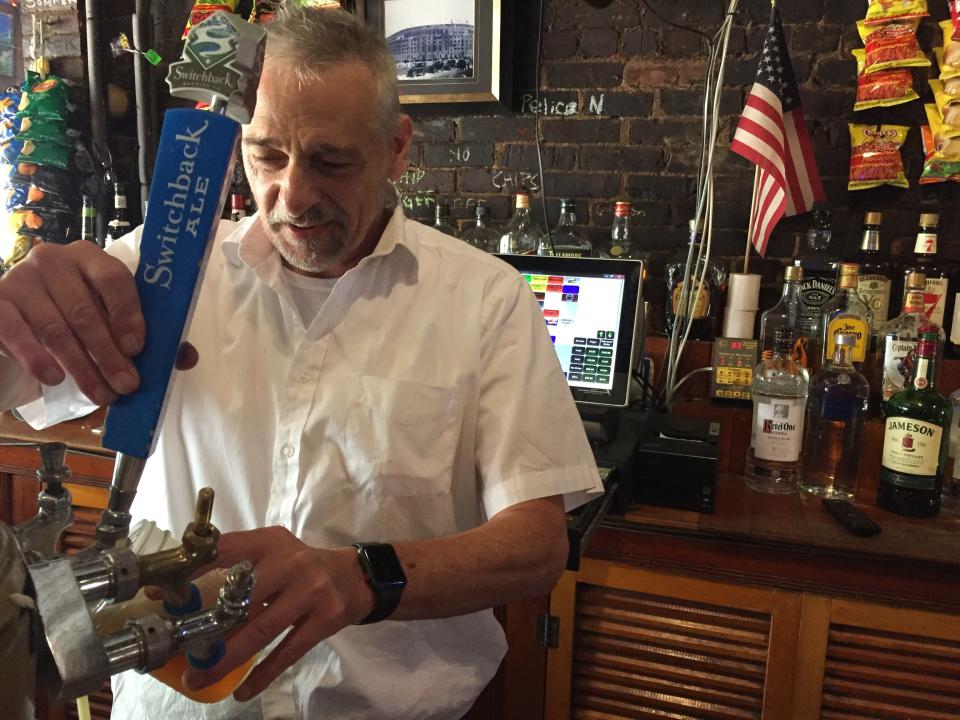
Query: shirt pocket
x=401 y=436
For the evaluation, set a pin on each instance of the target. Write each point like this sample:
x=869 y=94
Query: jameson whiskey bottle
x=847 y=313
x=703 y=298
x=925 y=261
x=916 y=440
x=819 y=283
x=119 y=225
x=876 y=277
x=566 y=240
x=522 y=235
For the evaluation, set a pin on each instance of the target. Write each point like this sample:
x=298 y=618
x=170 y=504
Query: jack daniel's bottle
x=819 y=283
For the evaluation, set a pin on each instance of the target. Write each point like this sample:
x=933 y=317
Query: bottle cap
x=927 y=343
x=442 y=209
x=916 y=281
x=842 y=338
x=929 y=220
x=793 y=273
x=621 y=209
x=481 y=211
x=849 y=269
x=238 y=202
x=522 y=200
x=568 y=203
x=873 y=218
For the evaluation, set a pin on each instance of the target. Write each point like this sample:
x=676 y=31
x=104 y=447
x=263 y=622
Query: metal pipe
x=141 y=16
x=98 y=122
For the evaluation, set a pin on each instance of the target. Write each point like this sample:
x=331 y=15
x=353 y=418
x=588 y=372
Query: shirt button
x=287 y=450
x=306 y=378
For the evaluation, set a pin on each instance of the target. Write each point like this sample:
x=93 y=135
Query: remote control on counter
x=851 y=518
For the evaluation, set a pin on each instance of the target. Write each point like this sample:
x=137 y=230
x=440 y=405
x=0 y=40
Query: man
x=361 y=378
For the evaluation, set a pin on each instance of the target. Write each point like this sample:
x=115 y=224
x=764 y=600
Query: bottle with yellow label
x=916 y=439
x=847 y=313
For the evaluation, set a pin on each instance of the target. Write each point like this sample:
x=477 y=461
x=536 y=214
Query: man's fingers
x=117 y=290
x=298 y=642
x=19 y=343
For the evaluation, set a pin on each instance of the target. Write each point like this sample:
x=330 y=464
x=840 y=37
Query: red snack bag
x=202 y=10
x=883 y=88
x=875 y=156
x=891 y=45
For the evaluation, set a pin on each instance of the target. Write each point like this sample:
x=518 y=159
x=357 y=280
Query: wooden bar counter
x=766 y=608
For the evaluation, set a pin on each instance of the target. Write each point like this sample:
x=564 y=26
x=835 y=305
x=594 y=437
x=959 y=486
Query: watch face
x=384 y=565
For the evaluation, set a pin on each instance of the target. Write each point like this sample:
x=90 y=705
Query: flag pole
x=753 y=220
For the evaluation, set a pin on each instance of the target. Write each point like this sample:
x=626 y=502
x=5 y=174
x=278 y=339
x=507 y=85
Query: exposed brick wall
x=632 y=86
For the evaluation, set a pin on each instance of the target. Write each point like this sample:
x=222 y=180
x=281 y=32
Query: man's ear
x=400 y=147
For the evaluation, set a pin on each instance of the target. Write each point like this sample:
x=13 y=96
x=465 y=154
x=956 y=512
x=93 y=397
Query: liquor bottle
x=786 y=314
x=482 y=236
x=925 y=261
x=847 y=313
x=119 y=223
x=836 y=408
x=522 y=233
x=896 y=342
x=779 y=402
x=621 y=245
x=566 y=240
x=915 y=440
x=441 y=220
x=876 y=277
x=238 y=207
x=819 y=283
x=950 y=498
x=88 y=219
x=704 y=297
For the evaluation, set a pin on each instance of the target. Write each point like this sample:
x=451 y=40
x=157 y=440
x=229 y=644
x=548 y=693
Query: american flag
x=772 y=134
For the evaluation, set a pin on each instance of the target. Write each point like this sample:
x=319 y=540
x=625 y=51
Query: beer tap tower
x=48 y=634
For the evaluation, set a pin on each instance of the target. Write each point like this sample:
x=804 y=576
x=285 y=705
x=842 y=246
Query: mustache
x=314 y=216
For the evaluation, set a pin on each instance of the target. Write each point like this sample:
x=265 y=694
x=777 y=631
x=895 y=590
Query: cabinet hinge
x=548 y=631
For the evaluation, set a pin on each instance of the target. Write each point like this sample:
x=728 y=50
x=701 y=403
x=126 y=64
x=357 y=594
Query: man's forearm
x=520 y=551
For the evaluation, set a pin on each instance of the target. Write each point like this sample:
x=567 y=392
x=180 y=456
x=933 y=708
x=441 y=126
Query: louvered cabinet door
x=641 y=644
x=875 y=661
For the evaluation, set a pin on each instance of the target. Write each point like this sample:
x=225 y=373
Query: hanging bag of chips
x=883 y=11
x=891 y=45
x=883 y=88
x=875 y=158
x=946 y=138
x=936 y=168
x=947 y=105
x=202 y=10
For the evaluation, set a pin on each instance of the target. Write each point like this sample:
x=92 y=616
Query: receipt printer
x=677 y=463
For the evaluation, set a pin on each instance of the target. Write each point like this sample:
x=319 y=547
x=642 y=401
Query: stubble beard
x=315 y=254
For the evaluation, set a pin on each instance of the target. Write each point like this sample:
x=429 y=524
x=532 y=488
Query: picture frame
x=447 y=51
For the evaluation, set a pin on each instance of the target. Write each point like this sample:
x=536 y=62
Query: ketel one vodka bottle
x=779 y=402
x=522 y=234
x=915 y=441
x=925 y=260
x=897 y=341
x=876 y=277
x=786 y=314
x=847 y=313
x=836 y=408
x=566 y=240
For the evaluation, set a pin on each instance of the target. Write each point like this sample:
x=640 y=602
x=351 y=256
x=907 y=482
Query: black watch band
x=384 y=574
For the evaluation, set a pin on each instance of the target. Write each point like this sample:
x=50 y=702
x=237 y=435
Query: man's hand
x=73 y=309
x=312 y=592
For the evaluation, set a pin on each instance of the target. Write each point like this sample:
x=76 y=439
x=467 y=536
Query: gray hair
x=312 y=38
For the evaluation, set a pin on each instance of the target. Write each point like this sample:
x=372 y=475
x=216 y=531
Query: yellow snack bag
x=951 y=48
x=947 y=72
x=891 y=45
x=946 y=138
x=936 y=169
x=947 y=106
x=881 y=11
x=875 y=158
x=883 y=88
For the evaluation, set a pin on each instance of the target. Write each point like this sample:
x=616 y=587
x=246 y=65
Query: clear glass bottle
x=481 y=235
x=522 y=234
x=847 y=313
x=875 y=280
x=896 y=342
x=836 y=408
x=915 y=440
x=441 y=219
x=819 y=282
x=88 y=219
x=786 y=314
x=621 y=245
x=566 y=240
x=119 y=224
x=779 y=394
x=707 y=297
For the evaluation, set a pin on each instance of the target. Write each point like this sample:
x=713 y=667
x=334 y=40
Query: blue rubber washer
x=217 y=652
x=192 y=605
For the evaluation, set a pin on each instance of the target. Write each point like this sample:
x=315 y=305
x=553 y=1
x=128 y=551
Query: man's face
x=318 y=168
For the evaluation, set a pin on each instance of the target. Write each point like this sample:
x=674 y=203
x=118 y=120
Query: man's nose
x=299 y=190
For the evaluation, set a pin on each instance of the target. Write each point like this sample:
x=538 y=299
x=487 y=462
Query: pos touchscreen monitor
x=590 y=307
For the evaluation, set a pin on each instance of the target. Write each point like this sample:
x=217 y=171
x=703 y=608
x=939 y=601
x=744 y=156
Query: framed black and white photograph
x=446 y=51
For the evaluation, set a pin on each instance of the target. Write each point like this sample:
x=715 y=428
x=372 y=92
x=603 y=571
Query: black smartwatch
x=384 y=574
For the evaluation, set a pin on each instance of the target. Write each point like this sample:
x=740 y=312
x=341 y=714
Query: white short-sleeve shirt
x=422 y=399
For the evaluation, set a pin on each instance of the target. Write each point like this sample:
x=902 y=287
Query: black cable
x=688 y=28
x=536 y=132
